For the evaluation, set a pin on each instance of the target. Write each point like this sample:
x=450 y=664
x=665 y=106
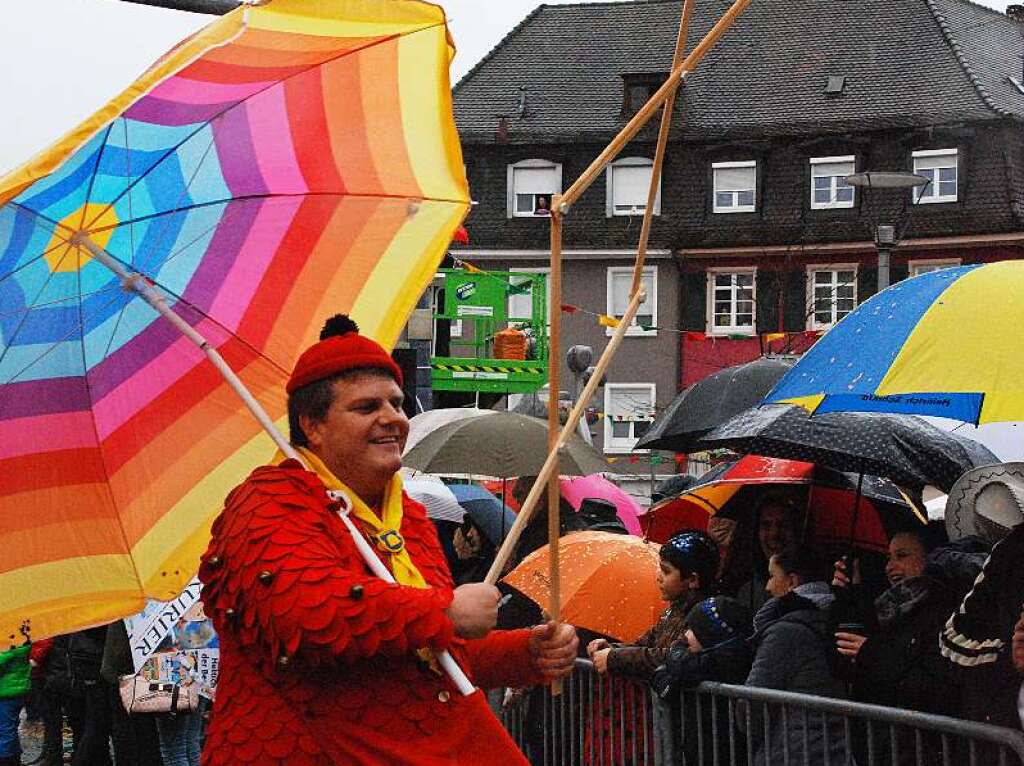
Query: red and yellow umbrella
x=288 y=162
x=835 y=514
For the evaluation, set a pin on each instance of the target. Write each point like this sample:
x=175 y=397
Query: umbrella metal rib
x=137 y=283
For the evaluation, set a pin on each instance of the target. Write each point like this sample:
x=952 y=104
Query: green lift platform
x=480 y=300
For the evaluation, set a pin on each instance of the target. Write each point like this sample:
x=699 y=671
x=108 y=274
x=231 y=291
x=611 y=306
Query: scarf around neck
x=384 y=530
x=902 y=599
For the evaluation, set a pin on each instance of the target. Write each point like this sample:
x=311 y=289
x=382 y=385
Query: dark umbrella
x=501 y=445
x=712 y=401
x=903 y=448
x=734 y=489
x=491 y=516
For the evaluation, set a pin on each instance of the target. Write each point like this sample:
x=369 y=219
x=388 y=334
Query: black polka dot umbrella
x=903 y=448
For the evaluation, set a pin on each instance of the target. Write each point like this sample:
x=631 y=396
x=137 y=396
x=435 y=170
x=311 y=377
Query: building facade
x=759 y=244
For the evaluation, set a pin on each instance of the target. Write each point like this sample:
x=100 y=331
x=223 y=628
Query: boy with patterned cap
x=321 y=662
x=687 y=566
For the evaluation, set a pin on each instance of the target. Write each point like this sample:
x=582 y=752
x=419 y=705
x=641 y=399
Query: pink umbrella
x=577 y=489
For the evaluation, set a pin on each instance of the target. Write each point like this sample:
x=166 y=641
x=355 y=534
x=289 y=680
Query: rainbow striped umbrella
x=944 y=343
x=288 y=162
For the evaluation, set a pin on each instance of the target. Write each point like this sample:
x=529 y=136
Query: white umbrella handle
x=447 y=662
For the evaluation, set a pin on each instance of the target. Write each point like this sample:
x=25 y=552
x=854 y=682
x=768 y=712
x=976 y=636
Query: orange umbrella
x=607 y=582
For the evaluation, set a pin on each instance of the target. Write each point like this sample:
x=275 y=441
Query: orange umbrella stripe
x=89 y=537
x=170 y=467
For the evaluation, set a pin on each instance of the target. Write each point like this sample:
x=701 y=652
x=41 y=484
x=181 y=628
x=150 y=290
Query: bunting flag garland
x=693 y=335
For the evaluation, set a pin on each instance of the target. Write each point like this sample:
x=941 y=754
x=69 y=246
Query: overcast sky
x=60 y=60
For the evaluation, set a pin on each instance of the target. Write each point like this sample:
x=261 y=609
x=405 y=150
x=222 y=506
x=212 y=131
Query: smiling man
x=321 y=662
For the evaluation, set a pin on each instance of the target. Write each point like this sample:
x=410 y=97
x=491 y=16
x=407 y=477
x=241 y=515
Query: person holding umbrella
x=476 y=540
x=335 y=661
x=892 y=641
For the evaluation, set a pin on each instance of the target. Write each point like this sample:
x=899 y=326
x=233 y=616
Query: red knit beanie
x=341 y=348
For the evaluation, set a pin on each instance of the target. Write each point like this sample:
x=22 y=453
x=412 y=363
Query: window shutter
x=932 y=163
x=621 y=282
x=535 y=181
x=630 y=184
x=833 y=169
x=735 y=179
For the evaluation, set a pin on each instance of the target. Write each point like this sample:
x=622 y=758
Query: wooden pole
x=554 y=365
x=659 y=151
x=645 y=113
x=551 y=463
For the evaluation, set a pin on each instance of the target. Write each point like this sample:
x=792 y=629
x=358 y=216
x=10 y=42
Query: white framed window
x=619 y=281
x=917 y=268
x=531 y=185
x=520 y=304
x=829 y=189
x=627 y=183
x=939 y=166
x=831 y=294
x=732 y=301
x=628 y=413
x=735 y=185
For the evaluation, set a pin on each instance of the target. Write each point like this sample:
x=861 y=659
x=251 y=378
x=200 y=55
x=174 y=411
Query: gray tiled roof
x=990 y=48
x=907 y=63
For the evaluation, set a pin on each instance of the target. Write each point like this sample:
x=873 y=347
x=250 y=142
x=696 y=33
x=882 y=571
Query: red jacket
x=318 y=662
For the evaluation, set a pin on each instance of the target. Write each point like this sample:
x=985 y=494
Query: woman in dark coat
x=896 y=657
x=793 y=640
x=895 y=654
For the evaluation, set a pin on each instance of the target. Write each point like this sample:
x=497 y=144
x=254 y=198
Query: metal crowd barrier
x=605 y=721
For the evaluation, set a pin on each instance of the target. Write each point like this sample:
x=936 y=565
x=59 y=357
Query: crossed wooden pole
x=663 y=98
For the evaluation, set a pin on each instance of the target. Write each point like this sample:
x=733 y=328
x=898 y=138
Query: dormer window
x=638 y=87
x=531 y=186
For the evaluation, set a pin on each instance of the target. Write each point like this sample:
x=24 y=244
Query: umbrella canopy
x=829 y=496
x=436 y=496
x=502 y=445
x=899 y=447
x=426 y=422
x=938 y=344
x=287 y=162
x=493 y=517
x=712 y=401
x=575 y=491
x=608 y=582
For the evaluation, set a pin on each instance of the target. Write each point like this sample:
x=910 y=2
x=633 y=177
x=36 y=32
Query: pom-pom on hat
x=341 y=348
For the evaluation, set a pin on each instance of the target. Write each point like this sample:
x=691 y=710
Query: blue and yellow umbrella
x=944 y=343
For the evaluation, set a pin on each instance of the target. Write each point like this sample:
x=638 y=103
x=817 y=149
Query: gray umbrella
x=501 y=446
x=712 y=401
x=903 y=448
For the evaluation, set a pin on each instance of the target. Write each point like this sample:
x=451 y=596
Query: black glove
x=665 y=679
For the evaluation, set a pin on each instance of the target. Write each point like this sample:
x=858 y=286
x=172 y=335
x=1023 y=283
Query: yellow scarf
x=384 y=530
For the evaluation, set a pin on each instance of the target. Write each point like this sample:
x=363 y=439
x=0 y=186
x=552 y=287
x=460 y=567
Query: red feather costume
x=318 y=656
